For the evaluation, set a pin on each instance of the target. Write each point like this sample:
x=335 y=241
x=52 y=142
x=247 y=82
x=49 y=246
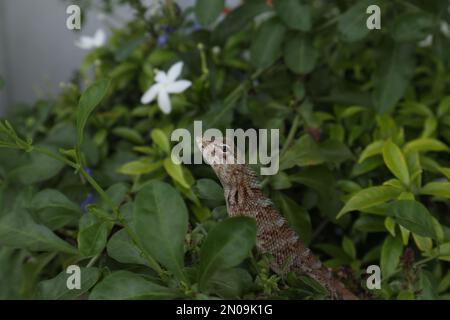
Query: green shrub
x=364 y=119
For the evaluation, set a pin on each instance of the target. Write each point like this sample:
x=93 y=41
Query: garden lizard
x=244 y=196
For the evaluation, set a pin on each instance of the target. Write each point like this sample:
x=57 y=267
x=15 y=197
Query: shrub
x=364 y=117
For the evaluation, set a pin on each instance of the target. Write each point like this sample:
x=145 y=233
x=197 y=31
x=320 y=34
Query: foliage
x=364 y=118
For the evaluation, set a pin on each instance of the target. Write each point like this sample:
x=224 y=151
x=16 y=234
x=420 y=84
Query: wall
x=37 y=50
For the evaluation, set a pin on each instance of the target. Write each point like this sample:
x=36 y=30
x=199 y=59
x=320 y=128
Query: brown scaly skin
x=244 y=196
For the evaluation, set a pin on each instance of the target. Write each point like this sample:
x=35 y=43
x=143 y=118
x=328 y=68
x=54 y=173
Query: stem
x=56 y=157
x=291 y=135
x=204 y=63
x=93 y=260
x=118 y=215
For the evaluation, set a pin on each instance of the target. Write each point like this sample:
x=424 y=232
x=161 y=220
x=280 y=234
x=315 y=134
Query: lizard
x=244 y=196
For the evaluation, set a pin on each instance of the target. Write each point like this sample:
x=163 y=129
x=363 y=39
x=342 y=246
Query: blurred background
x=37 y=51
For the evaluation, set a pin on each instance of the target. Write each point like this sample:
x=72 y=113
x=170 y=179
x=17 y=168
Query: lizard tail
x=307 y=263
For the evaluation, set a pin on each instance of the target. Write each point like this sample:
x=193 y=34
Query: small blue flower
x=162 y=41
x=89 y=171
x=90 y=199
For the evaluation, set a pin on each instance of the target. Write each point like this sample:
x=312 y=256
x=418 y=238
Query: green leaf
x=209 y=190
x=390 y=255
x=294 y=13
x=297 y=216
x=121 y=248
x=137 y=288
x=304 y=152
x=266 y=45
x=129 y=134
x=437 y=189
x=406 y=295
x=18 y=230
x=117 y=192
x=161 y=140
x=395 y=161
x=207 y=11
x=413 y=216
x=428 y=286
x=40 y=168
x=56 y=288
x=405 y=235
x=366 y=166
x=349 y=247
x=396 y=67
x=389 y=224
x=161 y=221
x=237 y=19
x=141 y=166
x=352 y=24
x=423 y=243
x=371 y=150
x=444 y=249
x=445 y=282
x=425 y=145
x=280 y=181
x=334 y=151
x=12 y=272
x=369 y=223
x=444 y=107
x=54 y=209
x=230 y=283
x=226 y=245
x=412 y=27
x=92 y=236
x=300 y=54
x=175 y=171
x=88 y=101
x=369 y=197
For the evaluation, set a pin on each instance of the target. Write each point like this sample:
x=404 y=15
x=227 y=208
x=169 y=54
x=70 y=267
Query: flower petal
x=175 y=71
x=164 y=101
x=150 y=94
x=428 y=41
x=179 y=86
x=99 y=38
x=445 y=29
x=161 y=76
x=84 y=42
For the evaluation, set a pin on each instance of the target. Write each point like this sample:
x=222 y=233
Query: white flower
x=87 y=43
x=166 y=84
x=233 y=4
x=428 y=41
x=445 y=29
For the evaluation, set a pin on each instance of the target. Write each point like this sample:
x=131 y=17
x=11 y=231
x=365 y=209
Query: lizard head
x=220 y=155
x=216 y=151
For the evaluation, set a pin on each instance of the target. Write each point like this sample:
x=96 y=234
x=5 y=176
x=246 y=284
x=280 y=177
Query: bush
x=364 y=119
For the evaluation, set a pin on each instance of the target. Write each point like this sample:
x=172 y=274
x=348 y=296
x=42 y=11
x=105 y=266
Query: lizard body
x=244 y=196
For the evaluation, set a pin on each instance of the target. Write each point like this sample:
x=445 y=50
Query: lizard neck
x=242 y=190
